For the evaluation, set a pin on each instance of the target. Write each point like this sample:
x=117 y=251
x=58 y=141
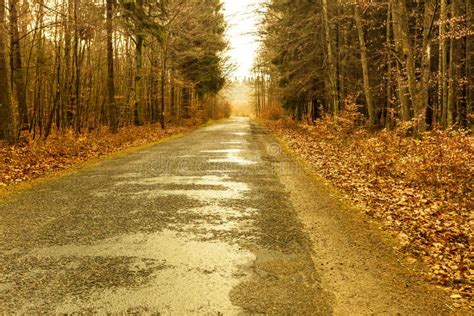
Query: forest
x=399 y=61
x=378 y=98
x=147 y=167
x=80 y=65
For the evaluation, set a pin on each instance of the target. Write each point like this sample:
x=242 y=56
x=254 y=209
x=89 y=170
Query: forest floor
x=33 y=159
x=220 y=221
x=420 y=190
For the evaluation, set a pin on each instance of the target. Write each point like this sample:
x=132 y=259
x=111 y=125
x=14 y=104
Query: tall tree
x=16 y=64
x=331 y=61
x=365 y=68
x=7 y=113
x=112 y=106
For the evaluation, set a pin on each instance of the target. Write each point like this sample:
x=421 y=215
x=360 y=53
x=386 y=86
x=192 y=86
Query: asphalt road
x=199 y=224
x=215 y=222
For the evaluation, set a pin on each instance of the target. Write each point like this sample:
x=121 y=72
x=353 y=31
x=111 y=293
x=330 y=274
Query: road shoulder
x=357 y=261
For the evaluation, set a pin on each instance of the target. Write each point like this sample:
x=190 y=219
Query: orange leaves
x=31 y=160
x=422 y=190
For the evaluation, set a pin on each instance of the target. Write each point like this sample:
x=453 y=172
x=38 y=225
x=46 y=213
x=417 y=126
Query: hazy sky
x=243 y=23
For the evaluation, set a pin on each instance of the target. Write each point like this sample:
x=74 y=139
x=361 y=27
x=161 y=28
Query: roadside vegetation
x=82 y=79
x=377 y=97
x=30 y=160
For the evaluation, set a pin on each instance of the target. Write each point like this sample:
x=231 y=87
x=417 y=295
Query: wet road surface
x=201 y=224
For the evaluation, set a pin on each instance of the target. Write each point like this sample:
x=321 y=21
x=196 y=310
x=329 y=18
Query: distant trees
x=399 y=60
x=84 y=64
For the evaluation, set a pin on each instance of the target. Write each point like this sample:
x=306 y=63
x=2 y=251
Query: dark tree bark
x=16 y=65
x=112 y=106
x=163 y=91
x=7 y=113
x=364 y=60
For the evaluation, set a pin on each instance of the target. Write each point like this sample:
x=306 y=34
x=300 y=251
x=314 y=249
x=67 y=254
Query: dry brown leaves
x=32 y=159
x=421 y=189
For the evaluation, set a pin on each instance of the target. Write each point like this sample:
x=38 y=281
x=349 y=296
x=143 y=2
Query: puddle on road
x=210 y=180
x=224 y=189
x=197 y=278
x=201 y=195
x=231 y=159
x=240 y=133
x=236 y=142
x=223 y=151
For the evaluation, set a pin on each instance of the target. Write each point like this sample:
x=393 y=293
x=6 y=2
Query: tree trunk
x=331 y=62
x=163 y=88
x=140 y=120
x=464 y=100
x=77 y=69
x=173 y=90
x=409 y=59
x=38 y=101
x=17 y=70
x=67 y=102
x=388 y=104
x=452 y=76
x=112 y=106
x=403 y=93
x=7 y=112
x=443 y=67
x=469 y=59
x=365 y=69
x=56 y=85
x=428 y=22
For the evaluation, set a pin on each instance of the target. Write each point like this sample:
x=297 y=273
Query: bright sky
x=243 y=22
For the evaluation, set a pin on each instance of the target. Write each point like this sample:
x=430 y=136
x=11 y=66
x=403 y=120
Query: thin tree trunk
x=428 y=22
x=77 y=69
x=140 y=120
x=173 y=90
x=38 y=101
x=331 y=62
x=388 y=32
x=453 y=61
x=56 y=90
x=409 y=59
x=443 y=68
x=163 y=92
x=112 y=106
x=163 y=88
x=469 y=59
x=464 y=100
x=67 y=102
x=365 y=69
x=403 y=93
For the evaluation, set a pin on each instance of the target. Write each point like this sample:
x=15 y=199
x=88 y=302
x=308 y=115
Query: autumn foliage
x=420 y=188
x=31 y=159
